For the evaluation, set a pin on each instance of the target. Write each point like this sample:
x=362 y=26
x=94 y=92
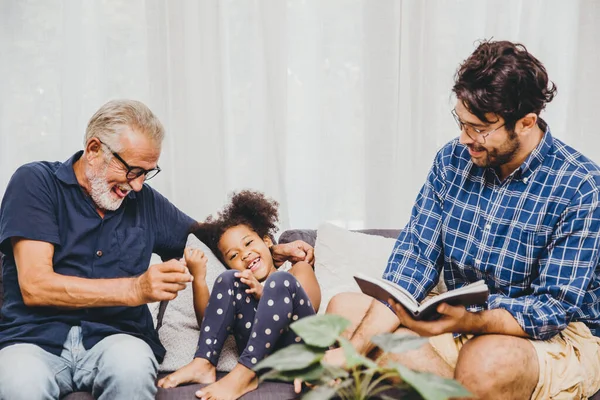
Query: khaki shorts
x=569 y=362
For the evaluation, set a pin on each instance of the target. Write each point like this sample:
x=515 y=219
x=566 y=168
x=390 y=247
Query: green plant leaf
x=334 y=372
x=292 y=357
x=431 y=386
x=354 y=359
x=398 y=342
x=320 y=393
x=311 y=373
x=320 y=330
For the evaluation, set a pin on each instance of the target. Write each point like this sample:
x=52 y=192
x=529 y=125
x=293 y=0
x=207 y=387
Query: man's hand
x=196 y=260
x=248 y=278
x=294 y=252
x=161 y=282
x=454 y=319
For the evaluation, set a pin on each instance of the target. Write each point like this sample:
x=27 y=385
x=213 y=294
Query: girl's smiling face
x=243 y=249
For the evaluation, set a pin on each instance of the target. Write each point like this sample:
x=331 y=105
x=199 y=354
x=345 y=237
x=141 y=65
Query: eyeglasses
x=477 y=135
x=133 y=172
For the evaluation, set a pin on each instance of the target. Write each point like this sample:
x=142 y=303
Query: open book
x=381 y=289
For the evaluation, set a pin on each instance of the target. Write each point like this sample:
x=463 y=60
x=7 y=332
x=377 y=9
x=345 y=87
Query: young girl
x=253 y=301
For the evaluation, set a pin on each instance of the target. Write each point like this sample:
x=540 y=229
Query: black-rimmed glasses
x=132 y=171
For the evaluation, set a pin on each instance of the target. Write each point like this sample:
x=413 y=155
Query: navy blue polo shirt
x=44 y=202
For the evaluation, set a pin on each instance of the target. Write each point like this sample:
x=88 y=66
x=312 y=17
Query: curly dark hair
x=503 y=78
x=247 y=207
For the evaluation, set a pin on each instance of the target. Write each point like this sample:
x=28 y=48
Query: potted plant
x=361 y=378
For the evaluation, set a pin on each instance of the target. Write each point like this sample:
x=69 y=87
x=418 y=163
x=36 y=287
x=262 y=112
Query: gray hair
x=108 y=122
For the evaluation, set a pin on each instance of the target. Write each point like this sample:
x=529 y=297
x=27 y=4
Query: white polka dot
x=256 y=320
x=308 y=303
x=220 y=279
x=208 y=341
x=293 y=295
x=233 y=302
x=254 y=308
x=220 y=296
x=208 y=354
x=250 y=348
x=236 y=284
x=289 y=315
x=238 y=296
x=286 y=300
x=268 y=345
x=270 y=302
x=272 y=284
x=253 y=334
x=207 y=329
x=215 y=342
x=220 y=311
x=268 y=331
x=276 y=317
x=297 y=283
x=253 y=360
x=214 y=353
x=240 y=316
x=295 y=317
x=298 y=339
x=286 y=283
x=247 y=299
x=229 y=292
x=248 y=325
x=301 y=301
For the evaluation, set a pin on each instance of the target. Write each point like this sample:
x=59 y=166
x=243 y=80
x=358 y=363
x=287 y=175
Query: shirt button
x=477 y=262
x=99 y=253
x=525 y=180
x=488 y=227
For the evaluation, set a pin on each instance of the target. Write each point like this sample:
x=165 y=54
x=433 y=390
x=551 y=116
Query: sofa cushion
x=340 y=253
x=179 y=331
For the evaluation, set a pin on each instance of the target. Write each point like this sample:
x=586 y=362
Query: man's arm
x=566 y=269
x=41 y=286
x=294 y=252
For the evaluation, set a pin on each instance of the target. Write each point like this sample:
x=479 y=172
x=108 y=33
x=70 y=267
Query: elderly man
x=508 y=203
x=77 y=238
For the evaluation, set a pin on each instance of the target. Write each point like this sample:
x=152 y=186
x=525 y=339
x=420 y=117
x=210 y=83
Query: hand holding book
x=475 y=293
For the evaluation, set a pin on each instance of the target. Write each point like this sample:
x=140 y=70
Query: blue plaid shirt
x=534 y=237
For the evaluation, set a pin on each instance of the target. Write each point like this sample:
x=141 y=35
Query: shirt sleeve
x=417 y=257
x=566 y=269
x=171 y=227
x=28 y=207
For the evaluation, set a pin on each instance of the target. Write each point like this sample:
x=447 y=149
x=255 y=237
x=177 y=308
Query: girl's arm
x=201 y=296
x=196 y=260
x=305 y=274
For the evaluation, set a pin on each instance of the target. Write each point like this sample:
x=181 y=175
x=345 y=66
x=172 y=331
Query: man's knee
x=25 y=373
x=349 y=303
x=128 y=357
x=492 y=364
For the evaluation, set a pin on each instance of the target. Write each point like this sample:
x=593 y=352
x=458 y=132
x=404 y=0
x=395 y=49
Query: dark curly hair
x=247 y=207
x=503 y=78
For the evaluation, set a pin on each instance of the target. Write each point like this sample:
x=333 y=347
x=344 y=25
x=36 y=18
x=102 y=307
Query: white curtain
x=333 y=107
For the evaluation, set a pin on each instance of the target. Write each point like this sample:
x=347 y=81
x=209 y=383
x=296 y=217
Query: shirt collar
x=537 y=156
x=66 y=173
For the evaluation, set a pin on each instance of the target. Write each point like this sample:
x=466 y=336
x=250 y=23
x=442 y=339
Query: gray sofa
x=267 y=390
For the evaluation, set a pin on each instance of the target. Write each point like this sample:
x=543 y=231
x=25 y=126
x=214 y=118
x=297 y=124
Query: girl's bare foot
x=199 y=370
x=235 y=384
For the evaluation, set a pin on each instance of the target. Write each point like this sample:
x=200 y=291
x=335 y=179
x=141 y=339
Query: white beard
x=101 y=192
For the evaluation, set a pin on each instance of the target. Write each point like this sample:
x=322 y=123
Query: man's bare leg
x=425 y=358
x=368 y=317
x=489 y=366
x=498 y=367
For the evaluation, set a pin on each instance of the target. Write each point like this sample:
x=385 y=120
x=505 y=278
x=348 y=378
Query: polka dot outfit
x=259 y=327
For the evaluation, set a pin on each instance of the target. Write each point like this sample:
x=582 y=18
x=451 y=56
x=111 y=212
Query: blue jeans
x=118 y=367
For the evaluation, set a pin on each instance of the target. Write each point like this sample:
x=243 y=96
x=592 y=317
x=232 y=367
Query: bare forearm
x=496 y=321
x=201 y=296
x=55 y=290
